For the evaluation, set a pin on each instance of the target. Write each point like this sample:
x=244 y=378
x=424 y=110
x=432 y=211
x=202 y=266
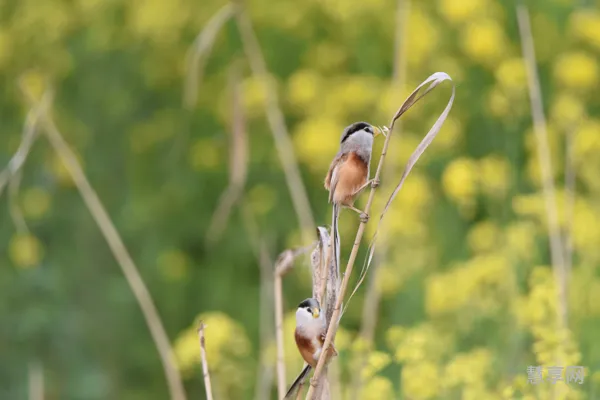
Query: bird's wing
x=332 y=178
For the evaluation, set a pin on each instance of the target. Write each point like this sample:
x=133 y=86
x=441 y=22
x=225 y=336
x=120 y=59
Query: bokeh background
x=463 y=294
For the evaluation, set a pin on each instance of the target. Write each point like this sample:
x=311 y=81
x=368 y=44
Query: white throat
x=307 y=324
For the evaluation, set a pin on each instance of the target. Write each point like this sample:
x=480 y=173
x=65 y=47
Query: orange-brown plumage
x=307 y=348
x=346 y=175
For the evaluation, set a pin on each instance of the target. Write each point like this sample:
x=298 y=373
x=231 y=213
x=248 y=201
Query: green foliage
x=468 y=297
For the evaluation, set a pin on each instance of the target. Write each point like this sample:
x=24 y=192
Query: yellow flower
x=494 y=175
x=520 y=239
x=423 y=342
x=389 y=281
x=585 y=25
x=303 y=89
x=156 y=20
x=25 y=250
x=312 y=147
x=355 y=94
x=376 y=361
x=394 y=335
x=326 y=56
x=460 y=179
x=424 y=36
x=468 y=368
x=227 y=349
x=262 y=198
x=36 y=202
x=460 y=11
x=484 y=41
x=512 y=76
x=544 y=27
x=204 y=154
x=587 y=140
x=449 y=137
x=498 y=103
x=567 y=110
x=420 y=380
x=576 y=70
x=484 y=237
x=254 y=95
x=377 y=388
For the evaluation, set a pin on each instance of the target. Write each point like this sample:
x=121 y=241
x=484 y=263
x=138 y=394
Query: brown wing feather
x=306 y=349
x=351 y=175
x=332 y=177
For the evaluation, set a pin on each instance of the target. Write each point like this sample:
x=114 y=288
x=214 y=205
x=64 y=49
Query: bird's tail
x=297 y=382
x=335 y=235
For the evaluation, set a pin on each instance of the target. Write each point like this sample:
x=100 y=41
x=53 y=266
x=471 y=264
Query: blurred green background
x=463 y=285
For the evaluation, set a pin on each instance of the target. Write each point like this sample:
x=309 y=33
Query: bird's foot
x=364 y=217
x=375 y=183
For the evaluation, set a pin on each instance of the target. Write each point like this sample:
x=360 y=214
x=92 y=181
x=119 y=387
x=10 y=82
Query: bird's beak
x=316 y=313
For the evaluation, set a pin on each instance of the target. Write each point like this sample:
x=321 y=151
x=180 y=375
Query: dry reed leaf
x=433 y=81
x=201 y=47
x=238 y=160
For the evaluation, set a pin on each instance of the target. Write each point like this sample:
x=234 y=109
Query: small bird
x=348 y=174
x=310 y=334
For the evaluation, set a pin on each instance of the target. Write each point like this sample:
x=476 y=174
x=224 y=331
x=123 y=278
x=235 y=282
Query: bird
x=348 y=173
x=310 y=332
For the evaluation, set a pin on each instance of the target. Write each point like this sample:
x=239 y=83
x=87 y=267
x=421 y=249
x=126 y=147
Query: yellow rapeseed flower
x=227 y=351
x=36 y=202
x=376 y=361
x=468 y=368
x=254 y=95
x=262 y=198
x=498 y=103
x=423 y=342
x=460 y=179
x=587 y=140
x=484 y=41
x=25 y=250
x=420 y=380
x=494 y=175
x=458 y=12
x=512 y=76
x=584 y=24
x=484 y=237
x=326 y=56
x=566 y=110
x=310 y=143
x=520 y=239
x=424 y=36
x=303 y=88
x=156 y=20
x=204 y=155
x=377 y=388
x=355 y=94
x=576 y=70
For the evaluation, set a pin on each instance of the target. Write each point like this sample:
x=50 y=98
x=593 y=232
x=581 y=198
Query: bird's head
x=308 y=311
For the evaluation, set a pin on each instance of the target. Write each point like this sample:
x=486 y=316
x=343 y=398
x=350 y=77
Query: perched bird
x=310 y=334
x=348 y=174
